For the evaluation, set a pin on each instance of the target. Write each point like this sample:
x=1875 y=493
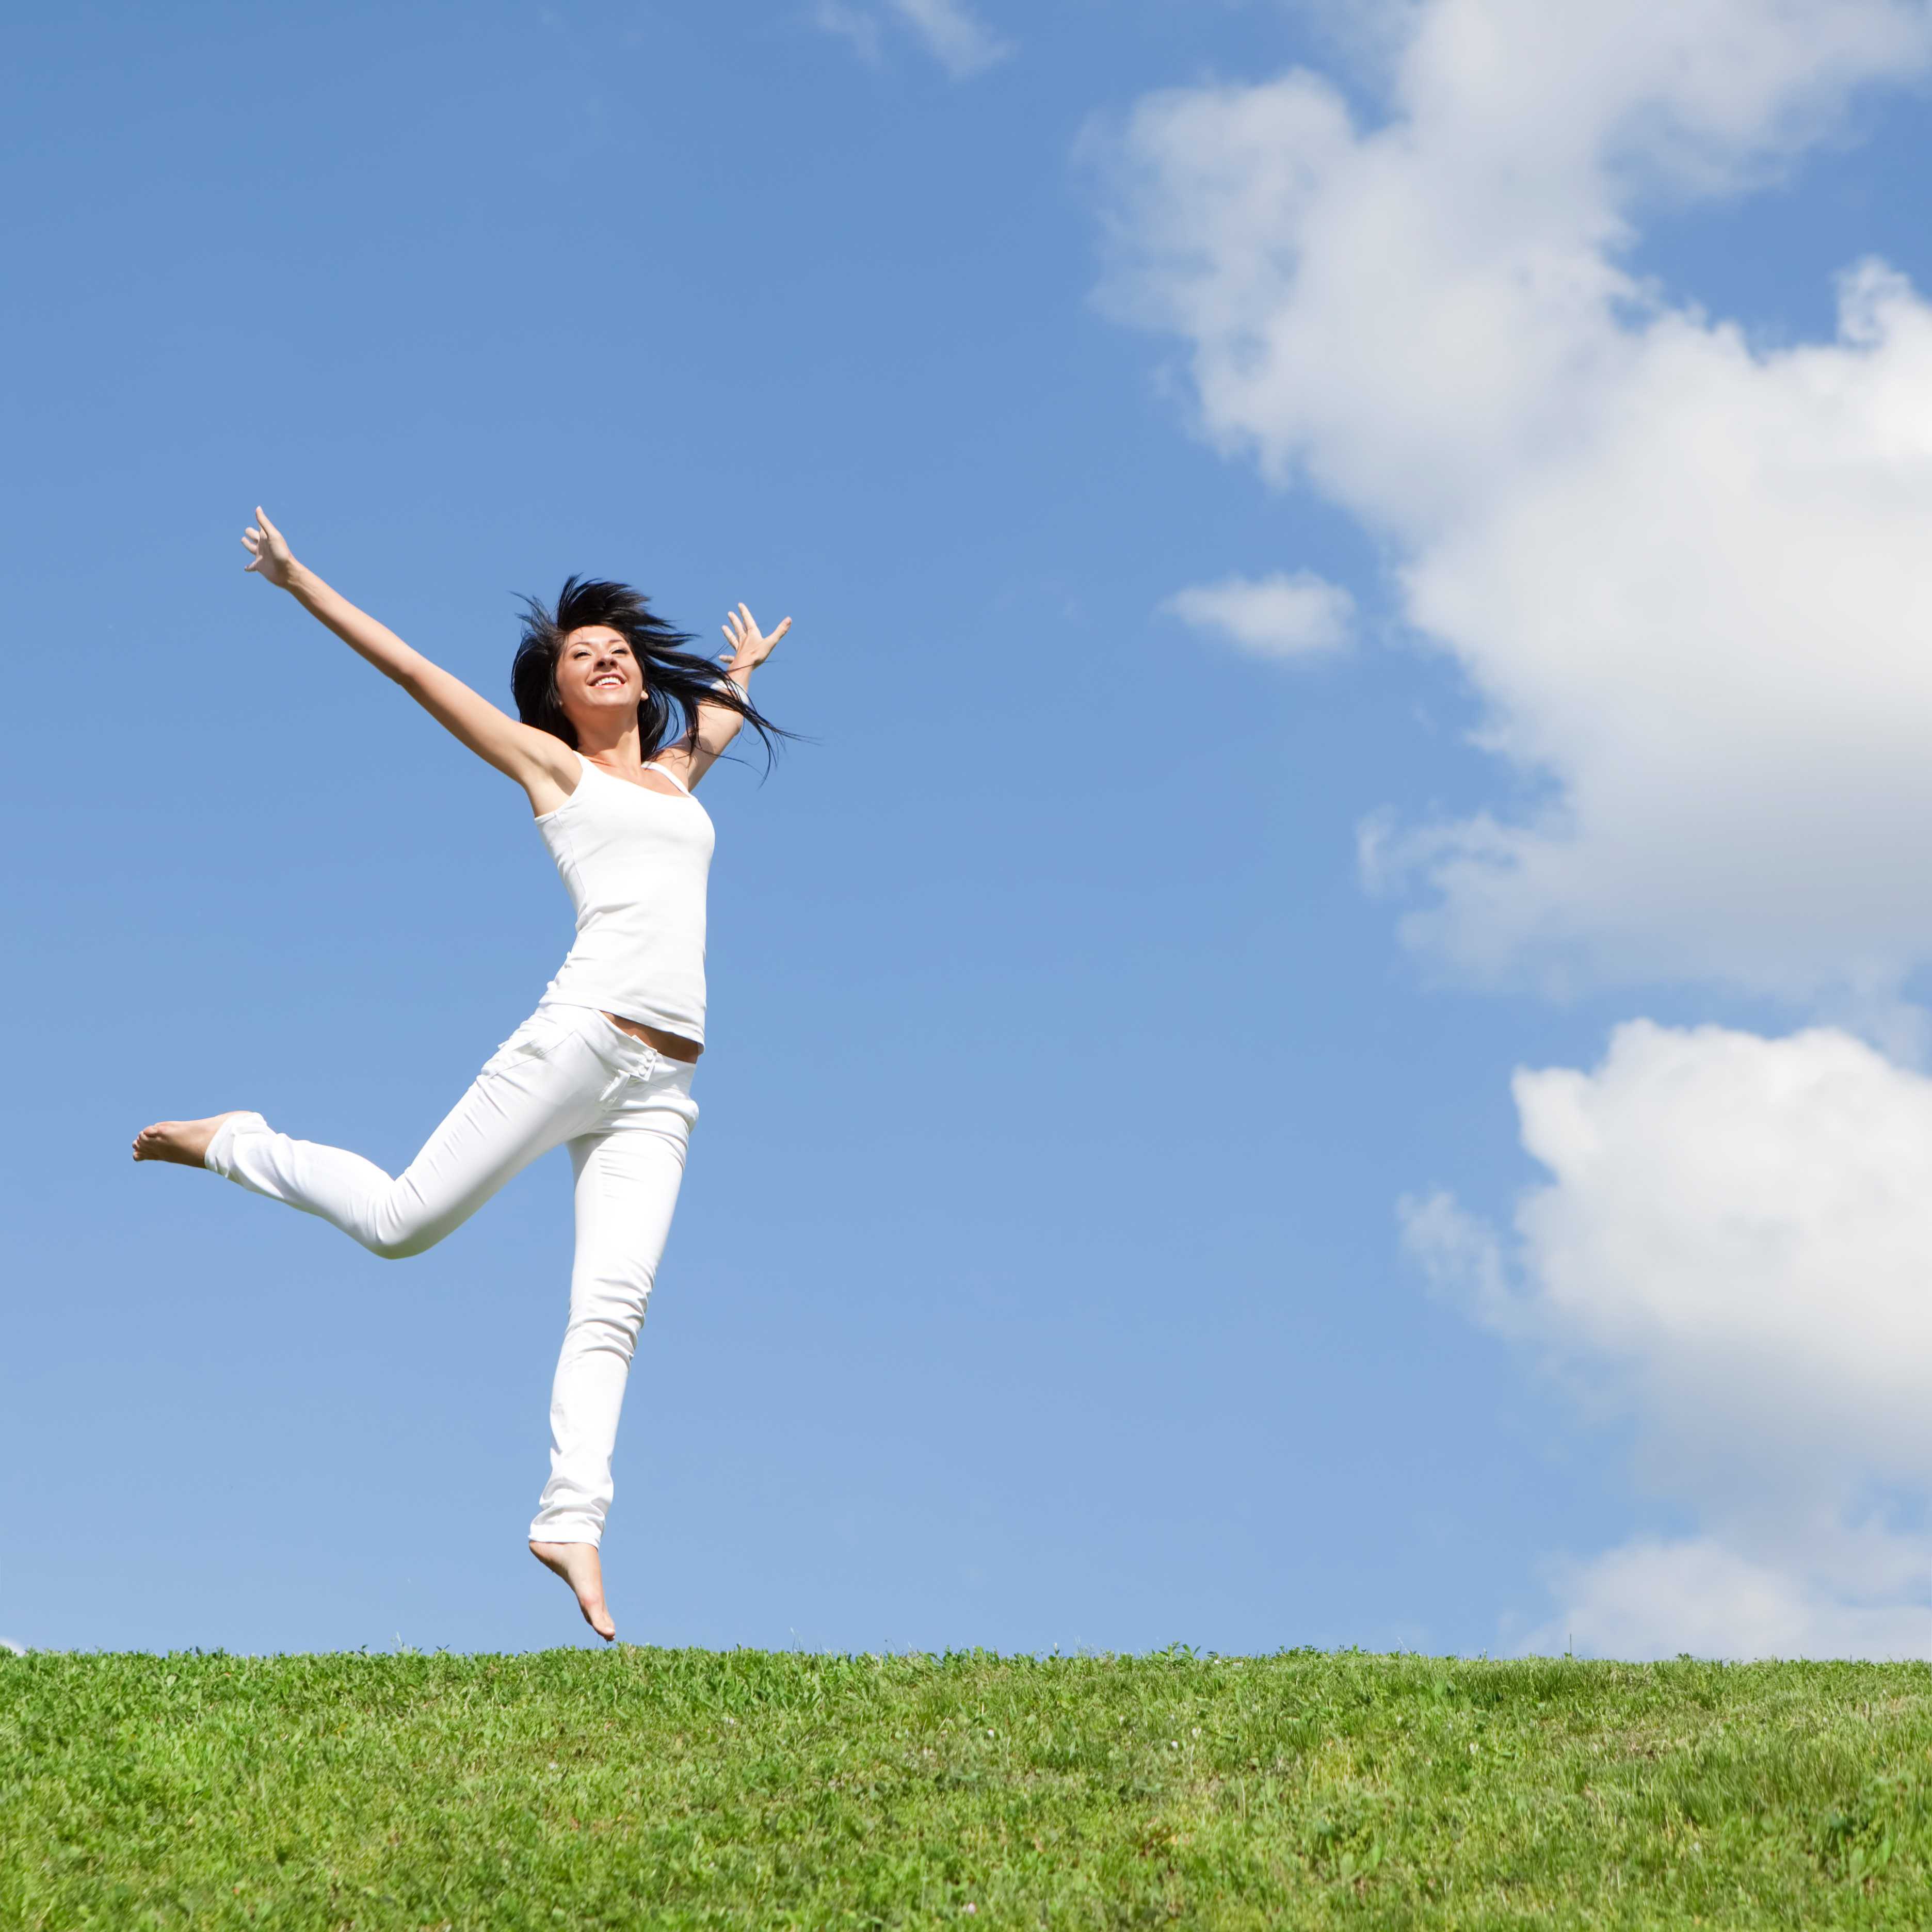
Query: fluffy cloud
x=949 y=30
x=1687 y=574
x=1652 y=1599
x=1735 y=1247
x=1278 y=617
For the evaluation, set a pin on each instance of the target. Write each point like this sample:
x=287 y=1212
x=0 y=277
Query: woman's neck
x=622 y=751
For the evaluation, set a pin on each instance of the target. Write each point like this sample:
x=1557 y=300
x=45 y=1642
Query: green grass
x=686 y=1788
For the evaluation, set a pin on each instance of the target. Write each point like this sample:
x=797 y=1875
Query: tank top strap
x=652 y=765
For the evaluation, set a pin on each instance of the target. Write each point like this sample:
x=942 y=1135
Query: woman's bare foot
x=184 y=1142
x=579 y=1565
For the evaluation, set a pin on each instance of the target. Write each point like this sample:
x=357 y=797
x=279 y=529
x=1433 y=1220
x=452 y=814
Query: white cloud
x=1651 y=1599
x=1687 y=575
x=949 y=30
x=956 y=37
x=1277 y=617
x=834 y=17
x=1735 y=1248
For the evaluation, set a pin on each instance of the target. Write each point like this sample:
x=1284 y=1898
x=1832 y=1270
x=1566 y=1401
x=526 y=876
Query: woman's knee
x=610 y=1325
x=398 y=1235
x=403 y=1226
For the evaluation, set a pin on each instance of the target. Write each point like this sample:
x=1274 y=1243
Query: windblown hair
x=677 y=680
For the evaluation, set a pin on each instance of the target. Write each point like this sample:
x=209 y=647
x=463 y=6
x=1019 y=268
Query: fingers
x=267 y=528
x=742 y=628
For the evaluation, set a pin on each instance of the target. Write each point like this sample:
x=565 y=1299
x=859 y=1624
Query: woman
x=604 y=1065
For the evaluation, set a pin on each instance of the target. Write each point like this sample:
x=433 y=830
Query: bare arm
x=544 y=766
x=716 y=725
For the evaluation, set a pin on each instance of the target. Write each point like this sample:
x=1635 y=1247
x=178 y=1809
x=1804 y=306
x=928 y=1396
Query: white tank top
x=634 y=862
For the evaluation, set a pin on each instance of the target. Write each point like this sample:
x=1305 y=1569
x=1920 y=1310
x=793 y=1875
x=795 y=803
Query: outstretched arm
x=544 y=766
x=716 y=725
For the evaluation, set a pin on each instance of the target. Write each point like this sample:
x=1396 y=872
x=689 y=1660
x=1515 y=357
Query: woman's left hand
x=750 y=647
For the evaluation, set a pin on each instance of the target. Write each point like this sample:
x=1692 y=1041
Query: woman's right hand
x=545 y=767
x=267 y=549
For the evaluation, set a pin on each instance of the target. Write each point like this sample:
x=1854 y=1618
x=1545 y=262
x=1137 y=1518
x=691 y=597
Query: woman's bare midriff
x=673 y=1046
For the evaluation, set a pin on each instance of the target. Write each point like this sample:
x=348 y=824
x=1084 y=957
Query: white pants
x=565 y=1077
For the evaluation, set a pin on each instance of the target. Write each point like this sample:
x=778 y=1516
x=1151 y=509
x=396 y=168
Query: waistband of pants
x=622 y=1052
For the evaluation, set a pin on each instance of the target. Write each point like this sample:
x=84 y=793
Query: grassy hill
x=687 y=1788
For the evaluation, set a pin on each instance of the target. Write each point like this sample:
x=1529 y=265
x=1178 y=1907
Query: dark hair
x=676 y=681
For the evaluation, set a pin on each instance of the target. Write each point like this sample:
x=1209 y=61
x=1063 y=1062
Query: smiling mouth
x=608 y=682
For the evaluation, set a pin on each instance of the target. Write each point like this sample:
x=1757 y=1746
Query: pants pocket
x=537 y=1038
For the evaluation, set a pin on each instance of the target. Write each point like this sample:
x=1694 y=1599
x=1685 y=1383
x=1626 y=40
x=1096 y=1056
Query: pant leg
x=542 y=1086
x=628 y=1176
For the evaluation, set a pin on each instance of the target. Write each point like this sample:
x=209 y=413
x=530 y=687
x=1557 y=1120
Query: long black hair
x=677 y=680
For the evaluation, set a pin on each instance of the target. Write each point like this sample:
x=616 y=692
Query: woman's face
x=598 y=678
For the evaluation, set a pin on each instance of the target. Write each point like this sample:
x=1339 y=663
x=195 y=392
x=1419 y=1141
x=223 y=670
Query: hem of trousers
x=567 y=1529
x=216 y=1159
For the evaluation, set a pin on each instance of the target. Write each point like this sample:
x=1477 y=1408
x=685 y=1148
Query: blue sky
x=1040 y=1277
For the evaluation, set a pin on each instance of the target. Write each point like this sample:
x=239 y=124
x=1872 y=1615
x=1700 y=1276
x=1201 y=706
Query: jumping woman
x=604 y=1065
